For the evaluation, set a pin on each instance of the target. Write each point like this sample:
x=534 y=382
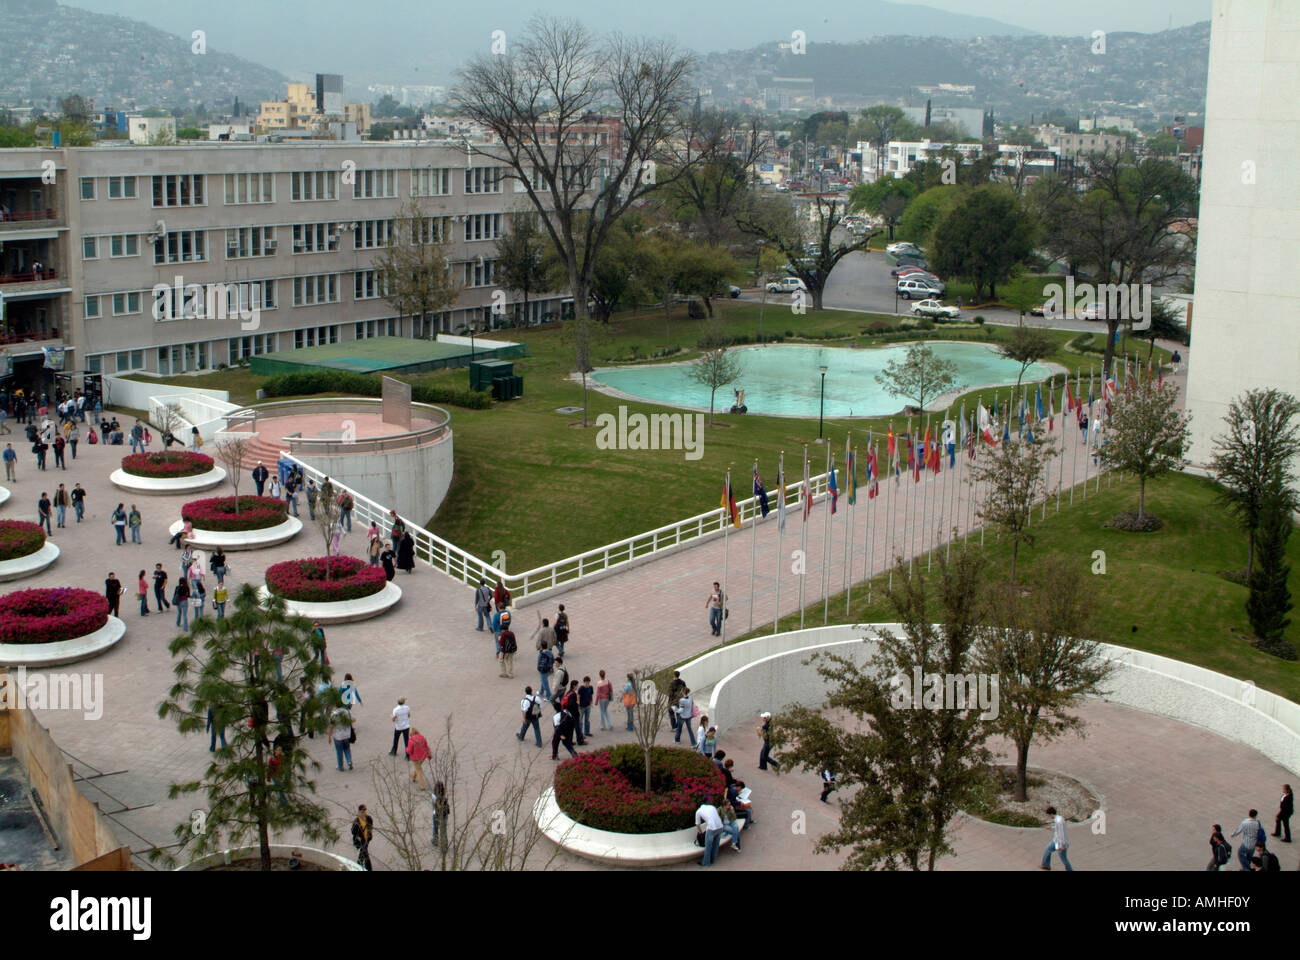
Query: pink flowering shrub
x=50 y=614
x=18 y=538
x=161 y=466
x=218 y=513
x=605 y=789
x=304 y=580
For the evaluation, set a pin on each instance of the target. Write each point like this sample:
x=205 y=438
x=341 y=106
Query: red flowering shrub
x=168 y=466
x=218 y=513
x=51 y=614
x=18 y=538
x=304 y=580
x=605 y=789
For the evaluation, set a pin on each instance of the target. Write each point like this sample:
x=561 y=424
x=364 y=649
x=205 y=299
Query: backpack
x=508 y=644
x=545 y=661
x=1222 y=853
x=535 y=708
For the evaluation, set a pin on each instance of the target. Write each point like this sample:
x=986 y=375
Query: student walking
x=401 y=725
x=134 y=520
x=675 y=688
x=113 y=592
x=180 y=600
x=629 y=700
x=707 y=741
x=142 y=594
x=569 y=703
x=561 y=629
x=160 y=587
x=260 y=473
x=828 y=782
x=349 y=692
x=604 y=691
x=78 y=498
x=417 y=751
x=406 y=553
x=531 y=708
x=1286 y=807
x=345 y=509
x=11 y=462
x=1220 y=849
x=545 y=664
x=1250 y=830
x=217 y=564
x=342 y=736
x=482 y=597
x=363 y=831
x=685 y=711
x=74 y=435
x=563 y=723
x=715 y=608
x=765 y=754
x=585 y=693
x=217 y=730
x=43 y=508
x=118 y=519
x=61 y=504
x=508 y=648
x=1060 y=842
x=312 y=492
x=219 y=597
x=197 y=596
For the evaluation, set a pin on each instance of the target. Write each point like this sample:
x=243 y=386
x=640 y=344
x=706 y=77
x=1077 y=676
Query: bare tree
x=716 y=366
x=328 y=512
x=652 y=706
x=170 y=419
x=231 y=453
x=584 y=332
x=1012 y=476
x=486 y=824
x=413 y=271
x=557 y=83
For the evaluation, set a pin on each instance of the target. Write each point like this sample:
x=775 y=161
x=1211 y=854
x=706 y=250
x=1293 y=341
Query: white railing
x=563 y=574
x=206 y=413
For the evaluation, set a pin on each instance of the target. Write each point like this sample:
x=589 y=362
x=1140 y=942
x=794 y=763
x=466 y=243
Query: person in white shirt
x=707 y=817
x=1060 y=842
x=685 y=707
x=531 y=708
x=401 y=725
x=1250 y=830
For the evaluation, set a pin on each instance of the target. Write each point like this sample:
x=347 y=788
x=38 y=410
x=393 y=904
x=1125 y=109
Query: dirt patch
x=1130 y=523
x=1045 y=788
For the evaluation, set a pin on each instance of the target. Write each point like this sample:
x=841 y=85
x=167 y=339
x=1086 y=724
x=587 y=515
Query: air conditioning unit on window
x=270 y=246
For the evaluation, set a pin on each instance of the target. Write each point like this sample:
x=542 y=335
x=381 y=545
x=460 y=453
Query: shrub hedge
x=51 y=614
x=605 y=789
x=218 y=513
x=304 y=580
x=18 y=538
x=167 y=466
x=369 y=385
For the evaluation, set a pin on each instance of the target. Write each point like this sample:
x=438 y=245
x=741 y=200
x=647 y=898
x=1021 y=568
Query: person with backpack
x=1268 y=861
x=531 y=708
x=545 y=636
x=569 y=701
x=675 y=688
x=363 y=831
x=707 y=742
x=545 y=664
x=1250 y=830
x=563 y=722
x=629 y=701
x=561 y=629
x=507 y=647
x=561 y=678
x=1220 y=849
x=482 y=600
x=685 y=711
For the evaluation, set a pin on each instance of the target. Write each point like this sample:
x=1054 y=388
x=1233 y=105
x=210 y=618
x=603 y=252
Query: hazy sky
x=423 y=41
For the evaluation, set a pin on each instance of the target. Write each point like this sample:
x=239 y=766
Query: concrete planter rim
x=344 y=611
x=279 y=851
x=25 y=566
x=241 y=539
x=63 y=651
x=168 y=485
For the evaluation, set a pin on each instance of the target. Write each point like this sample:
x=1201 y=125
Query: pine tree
x=1270 y=598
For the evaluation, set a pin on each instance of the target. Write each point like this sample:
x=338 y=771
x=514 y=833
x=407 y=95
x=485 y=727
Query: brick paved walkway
x=1162 y=783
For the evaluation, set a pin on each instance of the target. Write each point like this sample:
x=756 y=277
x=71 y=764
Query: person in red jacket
x=417 y=751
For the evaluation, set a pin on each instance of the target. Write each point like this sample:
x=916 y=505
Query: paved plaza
x=1161 y=783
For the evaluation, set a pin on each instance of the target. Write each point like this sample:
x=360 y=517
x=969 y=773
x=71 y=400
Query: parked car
x=733 y=291
x=918 y=274
x=903 y=248
x=920 y=289
x=903 y=268
x=935 y=308
x=786 y=285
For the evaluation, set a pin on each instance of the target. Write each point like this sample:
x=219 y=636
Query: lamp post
x=821 y=410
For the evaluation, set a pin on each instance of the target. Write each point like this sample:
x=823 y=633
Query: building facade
x=291 y=229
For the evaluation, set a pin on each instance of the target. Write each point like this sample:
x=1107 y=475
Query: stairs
x=264 y=449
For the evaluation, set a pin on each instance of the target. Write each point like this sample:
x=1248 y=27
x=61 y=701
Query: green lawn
x=1161 y=592
x=526 y=477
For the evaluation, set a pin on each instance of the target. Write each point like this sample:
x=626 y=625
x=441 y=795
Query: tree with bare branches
x=231 y=452
x=170 y=420
x=652 y=706
x=413 y=271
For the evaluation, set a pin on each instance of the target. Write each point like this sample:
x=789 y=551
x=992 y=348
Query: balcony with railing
x=26 y=218
x=43 y=275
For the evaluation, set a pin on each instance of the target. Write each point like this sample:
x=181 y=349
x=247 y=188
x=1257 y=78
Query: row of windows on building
x=190 y=246
x=191 y=301
x=189 y=189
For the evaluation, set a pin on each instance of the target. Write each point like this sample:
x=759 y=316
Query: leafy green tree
x=227 y=667
x=716 y=366
x=385 y=106
x=704 y=270
x=1162 y=145
x=921 y=375
x=1147 y=434
x=925 y=210
x=1036 y=646
x=521 y=259
x=1011 y=477
x=982 y=238
x=75 y=109
x=880 y=124
x=1026 y=345
x=1262 y=442
x=913 y=765
x=1164 y=326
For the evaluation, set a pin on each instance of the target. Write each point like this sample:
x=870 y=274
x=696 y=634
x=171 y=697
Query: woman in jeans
x=180 y=600
x=340 y=734
x=604 y=690
x=142 y=590
x=218 y=565
x=219 y=598
x=629 y=699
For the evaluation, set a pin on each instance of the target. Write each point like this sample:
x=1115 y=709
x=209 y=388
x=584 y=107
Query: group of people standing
x=1253 y=854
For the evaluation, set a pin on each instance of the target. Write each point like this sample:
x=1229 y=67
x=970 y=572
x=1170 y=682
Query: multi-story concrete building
x=1078 y=144
x=291 y=229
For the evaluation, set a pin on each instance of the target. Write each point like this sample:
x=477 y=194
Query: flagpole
x=848 y=539
x=893 y=524
x=826 y=543
x=976 y=490
x=753 y=549
x=726 y=541
x=805 y=494
x=1074 y=459
x=952 y=489
x=1060 y=476
x=910 y=532
x=869 y=541
x=780 y=530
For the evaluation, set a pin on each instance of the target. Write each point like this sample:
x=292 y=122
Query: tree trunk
x=1022 y=776
x=1142 y=496
x=817 y=293
x=708 y=306
x=1250 y=554
x=1015 y=546
x=647 y=772
x=584 y=398
x=1108 y=358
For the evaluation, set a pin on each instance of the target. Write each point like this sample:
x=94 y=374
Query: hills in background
x=48 y=50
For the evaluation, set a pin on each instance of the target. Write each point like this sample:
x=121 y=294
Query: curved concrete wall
x=413 y=482
x=768 y=674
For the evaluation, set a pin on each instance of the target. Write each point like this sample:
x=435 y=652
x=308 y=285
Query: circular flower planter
x=4 y=495
x=54 y=625
x=604 y=789
x=260 y=522
x=320 y=859
x=24 y=549
x=180 y=472
x=355 y=591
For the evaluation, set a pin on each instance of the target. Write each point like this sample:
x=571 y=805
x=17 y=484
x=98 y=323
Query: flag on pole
x=851 y=460
x=985 y=424
x=729 y=501
x=832 y=486
x=1006 y=429
x=1038 y=403
x=780 y=494
x=873 y=473
x=760 y=492
x=1160 y=376
x=1051 y=410
x=893 y=449
x=1067 y=398
x=807 y=489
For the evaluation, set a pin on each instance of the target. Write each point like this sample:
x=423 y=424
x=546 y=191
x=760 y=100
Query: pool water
x=783 y=380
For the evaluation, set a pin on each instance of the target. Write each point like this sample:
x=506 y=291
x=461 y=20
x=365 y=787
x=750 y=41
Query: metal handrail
x=326 y=446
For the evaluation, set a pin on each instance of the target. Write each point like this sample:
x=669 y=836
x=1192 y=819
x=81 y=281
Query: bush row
x=304 y=580
x=51 y=614
x=218 y=513
x=369 y=385
x=167 y=466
